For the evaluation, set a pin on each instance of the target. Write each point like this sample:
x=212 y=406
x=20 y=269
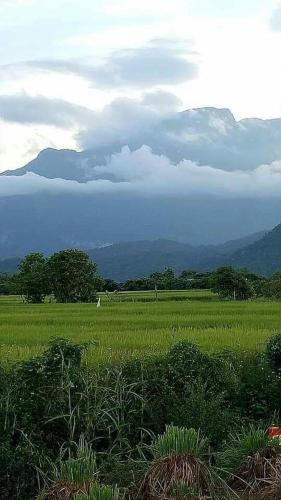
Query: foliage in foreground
x=49 y=402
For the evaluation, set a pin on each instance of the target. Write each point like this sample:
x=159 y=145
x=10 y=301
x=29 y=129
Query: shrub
x=259 y=395
x=18 y=478
x=45 y=388
x=273 y=351
x=201 y=409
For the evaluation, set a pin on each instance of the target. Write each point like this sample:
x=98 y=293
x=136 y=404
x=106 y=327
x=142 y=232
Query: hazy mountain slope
x=140 y=258
x=132 y=260
x=47 y=216
x=46 y=222
x=263 y=256
x=229 y=247
x=64 y=164
x=9 y=265
x=207 y=136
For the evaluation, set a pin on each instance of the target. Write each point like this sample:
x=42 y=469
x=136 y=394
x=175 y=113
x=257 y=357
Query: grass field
x=135 y=324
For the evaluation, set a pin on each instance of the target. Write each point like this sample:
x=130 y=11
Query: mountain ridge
x=123 y=261
x=55 y=206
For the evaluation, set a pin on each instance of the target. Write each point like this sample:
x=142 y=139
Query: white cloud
x=238 y=54
x=143 y=173
x=159 y=62
x=21 y=108
x=20 y=144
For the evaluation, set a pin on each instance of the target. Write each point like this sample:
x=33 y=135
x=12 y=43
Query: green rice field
x=134 y=324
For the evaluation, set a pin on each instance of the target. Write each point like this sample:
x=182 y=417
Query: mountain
x=229 y=247
x=263 y=256
x=129 y=260
x=136 y=259
x=109 y=194
x=207 y=136
x=9 y=265
x=61 y=164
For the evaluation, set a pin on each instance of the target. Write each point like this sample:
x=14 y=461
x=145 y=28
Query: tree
x=72 y=276
x=274 y=288
x=32 y=278
x=165 y=280
x=230 y=283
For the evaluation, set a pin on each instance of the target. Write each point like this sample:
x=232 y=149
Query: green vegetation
x=69 y=275
x=133 y=325
x=131 y=431
x=154 y=394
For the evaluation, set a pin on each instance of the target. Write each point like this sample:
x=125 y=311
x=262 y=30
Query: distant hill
x=9 y=265
x=262 y=256
x=136 y=259
x=232 y=246
x=260 y=252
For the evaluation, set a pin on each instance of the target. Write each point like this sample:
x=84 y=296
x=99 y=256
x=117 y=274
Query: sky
x=65 y=62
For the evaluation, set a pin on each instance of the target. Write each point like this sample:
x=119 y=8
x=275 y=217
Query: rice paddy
x=135 y=324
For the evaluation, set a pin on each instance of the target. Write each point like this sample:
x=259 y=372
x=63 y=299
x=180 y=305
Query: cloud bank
x=159 y=62
x=24 y=109
x=145 y=174
x=208 y=136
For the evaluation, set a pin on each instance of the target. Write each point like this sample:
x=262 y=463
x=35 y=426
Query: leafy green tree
x=274 y=287
x=230 y=283
x=32 y=278
x=259 y=283
x=166 y=280
x=73 y=276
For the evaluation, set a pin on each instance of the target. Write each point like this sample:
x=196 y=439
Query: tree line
x=227 y=282
x=71 y=276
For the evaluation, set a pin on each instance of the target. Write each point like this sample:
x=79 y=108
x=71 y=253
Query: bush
x=45 y=391
x=273 y=351
x=48 y=402
x=18 y=477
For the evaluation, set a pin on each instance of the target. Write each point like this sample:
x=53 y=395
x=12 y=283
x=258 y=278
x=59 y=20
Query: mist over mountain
x=205 y=136
x=146 y=172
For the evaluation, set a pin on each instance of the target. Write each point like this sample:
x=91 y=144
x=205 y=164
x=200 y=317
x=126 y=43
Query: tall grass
x=101 y=492
x=179 y=440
